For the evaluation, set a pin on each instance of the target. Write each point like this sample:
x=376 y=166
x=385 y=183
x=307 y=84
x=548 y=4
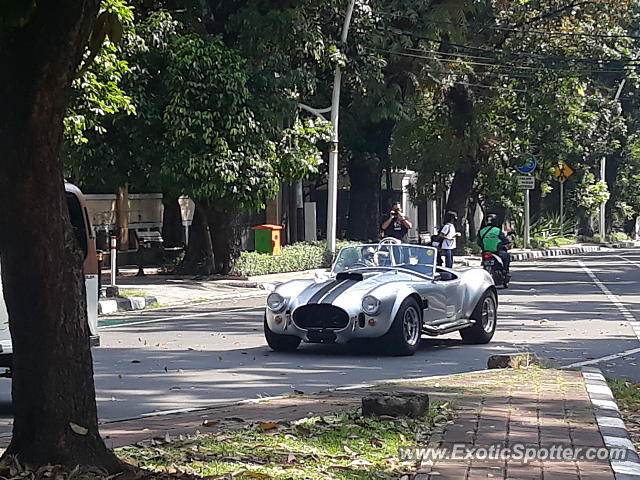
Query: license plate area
x=321 y=336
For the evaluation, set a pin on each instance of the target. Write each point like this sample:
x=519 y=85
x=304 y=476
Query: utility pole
x=332 y=190
x=603 y=167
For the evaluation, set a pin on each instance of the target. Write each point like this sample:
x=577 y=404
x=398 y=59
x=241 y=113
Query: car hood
x=352 y=286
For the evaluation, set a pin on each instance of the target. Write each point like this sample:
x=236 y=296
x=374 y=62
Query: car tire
x=280 y=343
x=403 y=338
x=485 y=315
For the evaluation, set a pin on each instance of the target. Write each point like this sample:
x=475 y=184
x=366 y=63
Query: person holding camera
x=397 y=225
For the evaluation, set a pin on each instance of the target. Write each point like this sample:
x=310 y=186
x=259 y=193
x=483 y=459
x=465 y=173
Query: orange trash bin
x=267 y=239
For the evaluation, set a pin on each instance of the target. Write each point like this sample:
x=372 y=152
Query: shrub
x=542 y=242
x=620 y=237
x=294 y=258
x=471 y=248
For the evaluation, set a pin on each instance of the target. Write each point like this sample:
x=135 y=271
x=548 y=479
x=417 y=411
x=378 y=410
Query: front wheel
x=403 y=338
x=485 y=315
x=280 y=343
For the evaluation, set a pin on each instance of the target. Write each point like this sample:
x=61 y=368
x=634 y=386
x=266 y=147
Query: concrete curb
x=124 y=304
x=612 y=427
x=630 y=244
x=555 y=252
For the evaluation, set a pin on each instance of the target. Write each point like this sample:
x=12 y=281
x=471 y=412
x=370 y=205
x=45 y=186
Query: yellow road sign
x=563 y=172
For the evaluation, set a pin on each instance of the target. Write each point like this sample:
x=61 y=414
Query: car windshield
x=408 y=257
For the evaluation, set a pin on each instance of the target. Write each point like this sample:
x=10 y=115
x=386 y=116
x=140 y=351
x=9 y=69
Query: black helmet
x=492 y=219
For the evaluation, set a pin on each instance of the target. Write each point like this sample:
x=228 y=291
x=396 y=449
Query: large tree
x=499 y=99
x=55 y=418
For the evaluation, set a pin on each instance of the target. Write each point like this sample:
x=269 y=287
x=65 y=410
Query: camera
x=395 y=213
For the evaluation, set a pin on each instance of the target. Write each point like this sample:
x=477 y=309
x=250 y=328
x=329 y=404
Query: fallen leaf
x=175 y=388
x=78 y=429
x=303 y=430
x=266 y=426
x=376 y=442
x=249 y=474
x=210 y=423
x=120 y=377
x=360 y=462
x=340 y=467
x=291 y=458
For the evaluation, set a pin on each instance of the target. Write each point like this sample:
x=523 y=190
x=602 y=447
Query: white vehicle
x=86 y=240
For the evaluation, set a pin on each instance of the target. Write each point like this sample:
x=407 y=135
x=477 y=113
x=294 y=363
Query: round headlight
x=370 y=305
x=275 y=302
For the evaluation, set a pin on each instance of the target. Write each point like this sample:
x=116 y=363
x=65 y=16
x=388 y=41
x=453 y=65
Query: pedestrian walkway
x=541 y=409
x=170 y=290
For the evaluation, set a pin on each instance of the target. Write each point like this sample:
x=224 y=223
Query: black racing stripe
x=323 y=291
x=339 y=291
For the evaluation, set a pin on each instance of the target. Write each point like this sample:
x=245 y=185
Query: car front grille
x=320 y=315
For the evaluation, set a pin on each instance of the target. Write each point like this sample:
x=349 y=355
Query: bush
x=471 y=248
x=294 y=258
x=542 y=242
x=620 y=237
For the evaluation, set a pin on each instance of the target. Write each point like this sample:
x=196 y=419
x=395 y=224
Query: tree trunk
x=223 y=225
x=199 y=257
x=43 y=284
x=364 y=198
x=459 y=194
x=172 y=229
x=370 y=155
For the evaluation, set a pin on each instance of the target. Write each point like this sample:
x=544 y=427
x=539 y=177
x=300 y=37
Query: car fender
x=476 y=282
x=392 y=300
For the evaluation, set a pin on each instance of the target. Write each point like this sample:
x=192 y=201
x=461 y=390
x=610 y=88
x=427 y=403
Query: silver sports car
x=391 y=293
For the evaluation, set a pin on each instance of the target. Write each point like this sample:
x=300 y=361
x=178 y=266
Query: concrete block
x=398 y=404
x=513 y=360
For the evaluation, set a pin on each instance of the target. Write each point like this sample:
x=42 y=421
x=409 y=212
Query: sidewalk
x=538 y=408
x=172 y=290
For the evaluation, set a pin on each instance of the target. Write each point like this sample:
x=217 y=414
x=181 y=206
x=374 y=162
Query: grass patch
x=627 y=395
x=131 y=293
x=344 y=446
x=155 y=305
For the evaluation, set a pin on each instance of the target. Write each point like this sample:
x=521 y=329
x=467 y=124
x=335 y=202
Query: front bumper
x=358 y=325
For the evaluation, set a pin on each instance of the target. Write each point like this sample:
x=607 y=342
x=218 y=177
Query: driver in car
x=369 y=257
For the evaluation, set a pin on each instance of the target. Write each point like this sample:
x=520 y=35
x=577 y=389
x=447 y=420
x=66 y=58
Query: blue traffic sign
x=529 y=164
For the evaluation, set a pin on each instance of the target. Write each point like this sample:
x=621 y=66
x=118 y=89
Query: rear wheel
x=403 y=338
x=485 y=315
x=280 y=343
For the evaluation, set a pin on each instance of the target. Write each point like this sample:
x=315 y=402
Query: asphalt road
x=571 y=310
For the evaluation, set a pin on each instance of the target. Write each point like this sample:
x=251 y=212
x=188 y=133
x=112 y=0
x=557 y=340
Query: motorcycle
x=492 y=263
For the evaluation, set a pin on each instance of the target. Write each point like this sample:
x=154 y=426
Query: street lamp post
x=603 y=167
x=332 y=190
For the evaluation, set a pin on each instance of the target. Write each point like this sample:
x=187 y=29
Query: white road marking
x=181 y=317
x=602 y=359
x=628 y=261
x=628 y=316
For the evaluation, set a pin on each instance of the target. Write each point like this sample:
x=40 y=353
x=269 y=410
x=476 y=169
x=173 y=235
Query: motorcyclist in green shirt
x=492 y=239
